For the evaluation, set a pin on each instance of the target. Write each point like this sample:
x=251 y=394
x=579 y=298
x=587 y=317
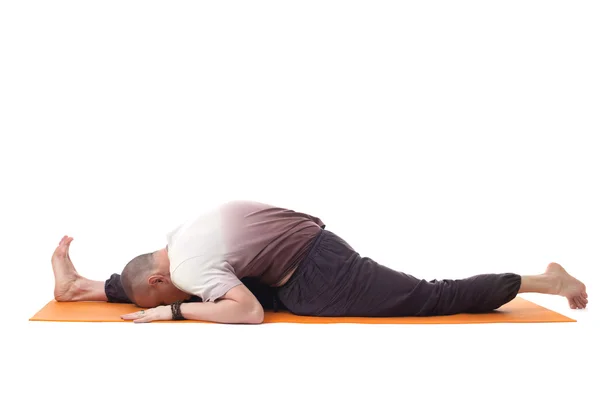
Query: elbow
x=256 y=315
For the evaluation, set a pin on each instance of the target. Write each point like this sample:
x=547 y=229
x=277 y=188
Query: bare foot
x=66 y=278
x=568 y=286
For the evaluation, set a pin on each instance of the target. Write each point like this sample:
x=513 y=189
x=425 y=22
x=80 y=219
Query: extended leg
x=68 y=284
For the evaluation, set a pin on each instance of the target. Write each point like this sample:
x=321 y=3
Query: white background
x=443 y=139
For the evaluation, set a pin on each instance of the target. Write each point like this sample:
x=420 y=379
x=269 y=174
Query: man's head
x=147 y=281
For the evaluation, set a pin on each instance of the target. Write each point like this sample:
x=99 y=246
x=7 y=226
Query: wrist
x=176 y=311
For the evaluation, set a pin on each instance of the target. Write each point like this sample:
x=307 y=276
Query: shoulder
x=197 y=265
x=202 y=237
x=199 y=270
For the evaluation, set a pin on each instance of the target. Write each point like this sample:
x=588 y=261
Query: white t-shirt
x=210 y=254
x=197 y=256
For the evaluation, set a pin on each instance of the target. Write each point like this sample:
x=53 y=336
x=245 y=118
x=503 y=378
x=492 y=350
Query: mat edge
x=565 y=318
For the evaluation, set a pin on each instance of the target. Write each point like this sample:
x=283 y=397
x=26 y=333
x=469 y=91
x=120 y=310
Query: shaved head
x=146 y=280
x=135 y=276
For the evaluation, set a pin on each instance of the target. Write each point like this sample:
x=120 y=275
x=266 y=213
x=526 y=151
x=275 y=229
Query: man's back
x=236 y=240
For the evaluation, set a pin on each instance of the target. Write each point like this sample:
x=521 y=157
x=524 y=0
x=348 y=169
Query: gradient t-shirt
x=210 y=254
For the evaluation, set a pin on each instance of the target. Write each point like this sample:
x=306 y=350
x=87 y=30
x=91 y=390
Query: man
x=236 y=260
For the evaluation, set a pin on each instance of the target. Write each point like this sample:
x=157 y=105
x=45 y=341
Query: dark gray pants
x=334 y=280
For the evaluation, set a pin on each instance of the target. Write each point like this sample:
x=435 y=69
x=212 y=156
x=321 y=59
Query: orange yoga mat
x=518 y=310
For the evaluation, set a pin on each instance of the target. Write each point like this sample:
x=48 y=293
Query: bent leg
x=264 y=293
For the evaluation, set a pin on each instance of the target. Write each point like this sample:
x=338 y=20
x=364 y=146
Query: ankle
x=75 y=289
x=554 y=283
x=85 y=289
x=544 y=283
x=79 y=289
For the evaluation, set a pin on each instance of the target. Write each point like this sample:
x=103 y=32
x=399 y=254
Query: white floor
x=122 y=360
x=441 y=138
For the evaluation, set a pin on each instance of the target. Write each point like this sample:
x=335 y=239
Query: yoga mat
x=518 y=310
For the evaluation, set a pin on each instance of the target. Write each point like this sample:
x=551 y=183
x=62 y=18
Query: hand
x=160 y=313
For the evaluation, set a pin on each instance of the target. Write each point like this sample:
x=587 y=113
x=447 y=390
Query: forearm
x=224 y=311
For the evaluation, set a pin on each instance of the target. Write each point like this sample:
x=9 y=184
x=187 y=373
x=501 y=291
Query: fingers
x=134 y=315
x=152 y=314
x=145 y=319
x=139 y=316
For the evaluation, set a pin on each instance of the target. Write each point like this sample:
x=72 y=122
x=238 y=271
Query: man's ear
x=155 y=279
